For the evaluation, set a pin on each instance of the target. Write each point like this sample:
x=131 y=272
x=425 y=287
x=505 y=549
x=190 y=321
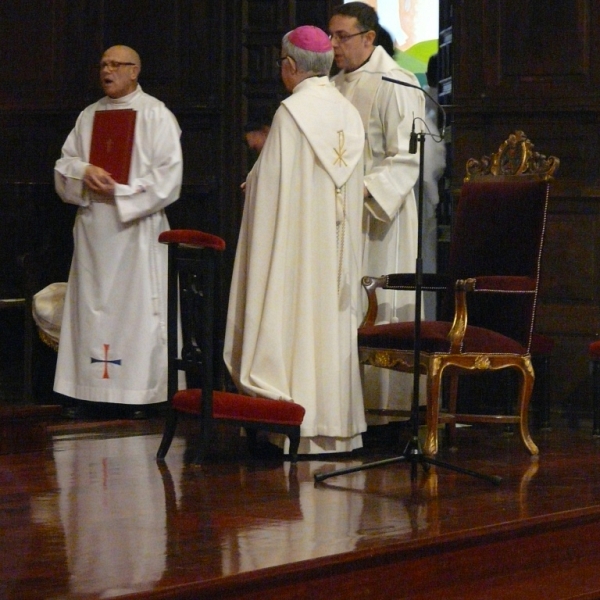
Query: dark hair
x=260 y=118
x=365 y=15
x=432 y=71
x=384 y=39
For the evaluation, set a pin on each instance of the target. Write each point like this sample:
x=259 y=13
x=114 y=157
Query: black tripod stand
x=413 y=453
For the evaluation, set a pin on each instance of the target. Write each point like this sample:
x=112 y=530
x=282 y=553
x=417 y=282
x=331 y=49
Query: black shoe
x=73 y=413
x=265 y=450
x=138 y=414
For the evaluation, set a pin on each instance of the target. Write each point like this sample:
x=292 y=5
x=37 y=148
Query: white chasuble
x=113 y=336
x=390 y=219
x=294 y=304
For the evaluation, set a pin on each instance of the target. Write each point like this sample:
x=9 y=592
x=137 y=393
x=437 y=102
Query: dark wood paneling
x=314 y=12
x=48 y=83
x=27 y=69
x=569 y=303
x=180 y=46
x=519 y=50
x=264 y=24
x=573 y=136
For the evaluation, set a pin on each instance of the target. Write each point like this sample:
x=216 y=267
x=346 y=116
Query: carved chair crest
x=514 y=157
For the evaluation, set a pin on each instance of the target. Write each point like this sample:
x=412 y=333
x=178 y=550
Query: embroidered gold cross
x=340 y=150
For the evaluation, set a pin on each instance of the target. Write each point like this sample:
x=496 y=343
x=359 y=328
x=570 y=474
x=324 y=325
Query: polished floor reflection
x=97 y=517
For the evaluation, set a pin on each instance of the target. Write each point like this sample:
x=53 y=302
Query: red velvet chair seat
x=193 y=238
x=434 y=338
x=238 y=407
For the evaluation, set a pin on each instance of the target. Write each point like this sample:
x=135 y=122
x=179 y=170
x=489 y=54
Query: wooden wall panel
x=27 y=69
x=527 y=34
x=314 y=12
x=572 y=233
x=547 y=53
x=182 y=65
x=264 y=24
x=58 y=70
x=153 y=29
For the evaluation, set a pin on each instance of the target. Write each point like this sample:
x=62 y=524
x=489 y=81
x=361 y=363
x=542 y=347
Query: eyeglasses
x=280 y=60
x=342 y=38
x=113 y=65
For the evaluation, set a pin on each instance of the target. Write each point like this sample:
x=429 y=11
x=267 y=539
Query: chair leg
x=294 y=437
x=168 y=434
x=294 y=444
x=525 y=390
x=433 y=412
x=205 y=438
x=252 y=440
x=596 y=397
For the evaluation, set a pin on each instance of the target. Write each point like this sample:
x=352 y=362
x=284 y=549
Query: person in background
x=294 y=304
x=388 y=113
x=385 y=40
x=255 y=136
x=112 y=346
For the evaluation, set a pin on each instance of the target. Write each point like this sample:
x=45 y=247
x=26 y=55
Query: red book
x=112 y=142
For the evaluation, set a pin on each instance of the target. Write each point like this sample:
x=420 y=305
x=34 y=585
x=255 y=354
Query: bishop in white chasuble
x=294 y=305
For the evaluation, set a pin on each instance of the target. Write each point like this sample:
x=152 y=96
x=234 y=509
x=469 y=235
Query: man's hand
x=99 y=181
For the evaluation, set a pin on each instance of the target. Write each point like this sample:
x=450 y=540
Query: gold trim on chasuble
x=340 y=206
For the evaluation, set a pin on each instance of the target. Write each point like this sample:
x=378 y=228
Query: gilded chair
x=193 y=264
x=517 y=159
x=495 y=257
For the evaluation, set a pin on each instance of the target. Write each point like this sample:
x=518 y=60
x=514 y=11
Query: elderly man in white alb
x=388 y=112
x=294 y=304
x=113 y=339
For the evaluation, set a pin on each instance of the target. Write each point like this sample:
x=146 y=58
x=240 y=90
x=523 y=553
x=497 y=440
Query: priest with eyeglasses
x=112 y=346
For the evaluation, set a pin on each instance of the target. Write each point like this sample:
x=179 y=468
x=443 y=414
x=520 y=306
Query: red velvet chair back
x=498 y=229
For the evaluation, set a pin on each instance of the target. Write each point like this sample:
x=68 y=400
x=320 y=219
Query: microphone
x=418 y=87
x=412 y=144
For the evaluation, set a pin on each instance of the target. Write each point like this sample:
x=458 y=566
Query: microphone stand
x=413 y=453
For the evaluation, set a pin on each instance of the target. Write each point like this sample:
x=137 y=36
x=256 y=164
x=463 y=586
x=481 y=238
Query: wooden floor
x=96 y=517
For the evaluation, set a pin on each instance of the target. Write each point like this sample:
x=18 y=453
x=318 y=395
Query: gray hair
x=315 y=63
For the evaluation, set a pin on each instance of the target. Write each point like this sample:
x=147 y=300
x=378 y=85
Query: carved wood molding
x=515 y=156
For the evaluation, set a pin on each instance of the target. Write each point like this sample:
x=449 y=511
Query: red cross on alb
x=106 y=361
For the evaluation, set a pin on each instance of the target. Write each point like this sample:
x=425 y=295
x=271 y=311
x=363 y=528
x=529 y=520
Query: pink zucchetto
x=310 y=38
